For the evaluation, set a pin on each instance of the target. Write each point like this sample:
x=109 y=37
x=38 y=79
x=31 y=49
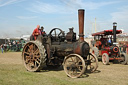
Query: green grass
x=13 y=72
x=17 y=75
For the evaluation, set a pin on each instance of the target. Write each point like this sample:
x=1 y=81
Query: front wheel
x=105 y=59
x=74 y=65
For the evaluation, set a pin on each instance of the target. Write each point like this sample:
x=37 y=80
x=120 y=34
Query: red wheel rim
x=104 y=59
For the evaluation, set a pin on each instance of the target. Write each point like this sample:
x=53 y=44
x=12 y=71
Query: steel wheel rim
x=74 y=66
x=31 y=57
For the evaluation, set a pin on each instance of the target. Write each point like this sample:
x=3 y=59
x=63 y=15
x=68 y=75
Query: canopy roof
x=106 y=32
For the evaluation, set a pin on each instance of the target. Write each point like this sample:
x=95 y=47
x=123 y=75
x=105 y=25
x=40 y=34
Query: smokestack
x=114 y=32
x=81 y=24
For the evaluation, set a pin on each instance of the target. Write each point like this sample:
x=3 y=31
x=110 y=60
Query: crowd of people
x=14 y=45
x=123 y=47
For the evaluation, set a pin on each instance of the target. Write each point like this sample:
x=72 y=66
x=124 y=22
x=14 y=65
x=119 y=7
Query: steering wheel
x=56 y=33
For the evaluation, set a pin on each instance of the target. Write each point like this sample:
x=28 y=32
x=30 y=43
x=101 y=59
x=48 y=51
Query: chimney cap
x=114 y=24
x=81 y=10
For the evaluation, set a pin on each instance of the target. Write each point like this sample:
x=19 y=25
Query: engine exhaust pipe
x=114 y=32
x=81 y=24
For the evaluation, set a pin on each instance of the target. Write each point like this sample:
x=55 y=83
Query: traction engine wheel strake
x=74 y=65
x=92 y=63
x=32 y=56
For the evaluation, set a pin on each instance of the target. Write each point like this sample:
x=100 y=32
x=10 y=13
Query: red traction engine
x=106 y=48
x=56 y=49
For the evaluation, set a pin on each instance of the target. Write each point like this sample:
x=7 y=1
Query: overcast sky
x=19 y=17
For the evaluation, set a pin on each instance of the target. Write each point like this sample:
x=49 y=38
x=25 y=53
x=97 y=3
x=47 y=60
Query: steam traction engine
x=105 y=46
x=57 y=48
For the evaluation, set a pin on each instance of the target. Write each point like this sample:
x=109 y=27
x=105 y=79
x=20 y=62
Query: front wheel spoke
x=79 y=68
x=67 y=64
x=69 y=69
x=72 y=59
x=74 y=71
x=79 y=65
x=79 y=62
x=77 y=59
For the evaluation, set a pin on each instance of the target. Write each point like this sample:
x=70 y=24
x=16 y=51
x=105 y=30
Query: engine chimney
x=114 y=32
x=81 y=24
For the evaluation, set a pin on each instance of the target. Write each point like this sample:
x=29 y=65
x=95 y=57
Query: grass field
x=13 y=72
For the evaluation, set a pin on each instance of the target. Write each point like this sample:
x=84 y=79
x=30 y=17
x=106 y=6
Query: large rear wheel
x=34 y=56
x=74 y=65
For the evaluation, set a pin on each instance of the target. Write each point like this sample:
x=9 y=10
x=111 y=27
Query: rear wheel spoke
x=36 y=51
x=26 y=53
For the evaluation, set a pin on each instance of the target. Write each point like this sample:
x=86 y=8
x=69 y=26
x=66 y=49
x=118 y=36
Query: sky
x=20 y=17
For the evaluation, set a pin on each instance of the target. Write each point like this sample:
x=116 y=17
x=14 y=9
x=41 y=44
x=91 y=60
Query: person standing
x=42 y=31
x=36 y=32
x=2 y=48
x=5 y=47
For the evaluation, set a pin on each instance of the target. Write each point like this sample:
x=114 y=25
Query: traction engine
x=58 y=48
x=106 y=48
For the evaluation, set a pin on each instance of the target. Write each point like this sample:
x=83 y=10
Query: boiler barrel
x=64 y=49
